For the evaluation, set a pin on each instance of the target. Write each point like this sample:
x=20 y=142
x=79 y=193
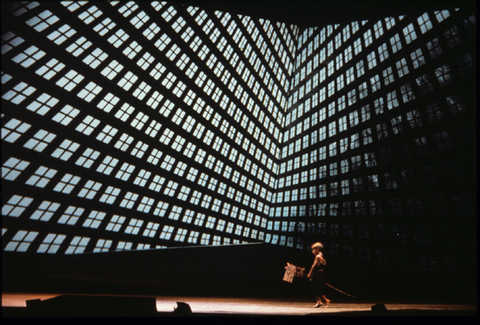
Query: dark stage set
x=247 y=281
x=400 y=237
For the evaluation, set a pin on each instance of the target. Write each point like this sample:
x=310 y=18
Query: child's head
x=318 y=246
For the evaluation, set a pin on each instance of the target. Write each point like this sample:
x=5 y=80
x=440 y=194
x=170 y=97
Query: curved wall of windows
x=140 y=125
x=377 y=156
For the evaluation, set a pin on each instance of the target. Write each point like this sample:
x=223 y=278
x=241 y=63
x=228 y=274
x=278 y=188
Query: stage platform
x=15 y=305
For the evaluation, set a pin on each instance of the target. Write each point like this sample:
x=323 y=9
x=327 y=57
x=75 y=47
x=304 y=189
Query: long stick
x=340 y=290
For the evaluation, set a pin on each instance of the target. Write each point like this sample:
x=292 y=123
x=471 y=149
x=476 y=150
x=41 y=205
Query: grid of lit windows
x=302 y=125
x=357 y=123
x=234 y=62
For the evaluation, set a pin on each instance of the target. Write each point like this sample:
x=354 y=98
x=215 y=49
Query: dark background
x=252 y=270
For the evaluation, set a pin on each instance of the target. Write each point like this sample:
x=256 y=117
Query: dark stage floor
x=15 y=305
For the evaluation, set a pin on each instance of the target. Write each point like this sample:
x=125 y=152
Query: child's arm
x=316 y=262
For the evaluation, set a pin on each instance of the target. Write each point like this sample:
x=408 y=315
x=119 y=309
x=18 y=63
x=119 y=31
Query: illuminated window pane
x=112 y=69
x=88 y=125
x=41 y=177
x=28 y=57
x=139 y=20
x=94 y=59
x=44 y=20
x=13 y=129
x=94 y=219
x=90 y=14
x=90 y=189
x=79 y=46
x=395 y=43
x=166 y=232
x=155 y=156
x=89 y=92
x=77 y=245
x=132 y=50
x=442 y=15
x=375 y=83
x=16 y=206
x=51 y=243
x=134 y=226
x=151 y=31
x=50 y=69
x=21 y=241
x=71 y=215
x=118 y=38
x=19 y=93
x=110 y=195
x=102 y=245
x=104 y=27
x=123 y=246
x=9 y=41
x=12 y=168
x=180 y=168
x=70 y=80
x=128 y=80
x=388 y=76
x=129 y=200
x=67 y=184
x=409 y=33
x=124 y=142
x=115 y=223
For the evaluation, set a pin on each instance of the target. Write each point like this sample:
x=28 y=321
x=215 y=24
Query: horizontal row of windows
x=359 y=230
x=13 y=167
x=352 y=186
x=67 y=148
x=46 y=210
x=49 y=211
x=394 y=206
x=52 y=243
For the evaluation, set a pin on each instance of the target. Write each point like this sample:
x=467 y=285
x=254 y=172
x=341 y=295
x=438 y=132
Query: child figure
x=317 y=276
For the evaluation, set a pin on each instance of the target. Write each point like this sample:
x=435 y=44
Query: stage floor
x=205 y=306
x=274 y=307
